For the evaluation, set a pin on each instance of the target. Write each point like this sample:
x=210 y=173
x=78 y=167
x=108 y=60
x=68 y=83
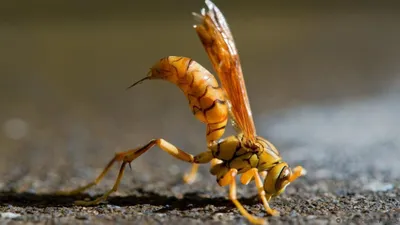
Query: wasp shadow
x=186 y=202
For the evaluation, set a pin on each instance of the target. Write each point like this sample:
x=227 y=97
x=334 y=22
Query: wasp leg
x=263 y=174
x=191 y=176
x=246 y=178
x=118 y=157
x=201 y=158
x=229 y=178
x=128 y=157
x=105 y=196
x=215 y=161
x=297 y=172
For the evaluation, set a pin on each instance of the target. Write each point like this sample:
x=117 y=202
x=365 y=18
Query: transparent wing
x=217 y=39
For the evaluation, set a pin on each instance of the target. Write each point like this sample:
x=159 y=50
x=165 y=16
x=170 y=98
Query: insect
x=245 y=154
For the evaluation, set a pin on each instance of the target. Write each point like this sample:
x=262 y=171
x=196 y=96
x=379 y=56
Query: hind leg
x=117 y=158
x=128 y=157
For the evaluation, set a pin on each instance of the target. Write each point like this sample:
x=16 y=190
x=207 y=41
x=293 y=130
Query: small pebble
x=81 y=217
x=9 y=215
x=378 y=186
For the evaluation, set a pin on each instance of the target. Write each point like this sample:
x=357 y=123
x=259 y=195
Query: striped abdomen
x=206 y=99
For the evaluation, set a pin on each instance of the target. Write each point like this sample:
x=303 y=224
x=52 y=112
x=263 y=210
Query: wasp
x=245 y=154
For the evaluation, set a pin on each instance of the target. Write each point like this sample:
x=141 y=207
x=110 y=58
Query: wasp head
x=278 y=177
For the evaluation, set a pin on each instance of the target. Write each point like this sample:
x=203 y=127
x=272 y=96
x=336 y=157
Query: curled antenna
x=138 y=82
x=141 y=80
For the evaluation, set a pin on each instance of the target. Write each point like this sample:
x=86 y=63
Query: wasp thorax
x=277 y=179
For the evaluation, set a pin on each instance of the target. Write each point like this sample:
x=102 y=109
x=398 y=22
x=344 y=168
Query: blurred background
x=323 y=81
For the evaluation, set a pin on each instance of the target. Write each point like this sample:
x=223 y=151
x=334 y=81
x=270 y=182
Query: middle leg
x=191 y=176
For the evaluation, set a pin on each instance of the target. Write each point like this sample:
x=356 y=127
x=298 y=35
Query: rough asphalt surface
x=351 y=188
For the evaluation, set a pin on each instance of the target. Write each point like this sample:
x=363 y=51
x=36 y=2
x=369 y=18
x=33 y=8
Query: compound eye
x=285 y=172
x=283 y=178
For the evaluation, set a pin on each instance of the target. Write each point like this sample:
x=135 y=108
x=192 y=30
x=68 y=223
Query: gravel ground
x=306 y=202
x=358 y=184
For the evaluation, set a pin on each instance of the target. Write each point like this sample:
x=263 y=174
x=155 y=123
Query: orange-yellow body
x=235 y=154
x=206 y=99
x=245 y=153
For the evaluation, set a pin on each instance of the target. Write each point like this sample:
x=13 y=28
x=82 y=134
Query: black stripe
x=238 y=147
x=213 y=130
x=279 y=181
x=194 y=109
x=189 y=64
x=176 y=70
x=177 y=60
x=162 y=71
x=205 y=92
x=188 y=97
x=218 y=148
x=192 y=82
x=258 y=161
x=213 y=104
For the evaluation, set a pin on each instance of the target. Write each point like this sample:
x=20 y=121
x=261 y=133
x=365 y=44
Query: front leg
x=297 y=172
x=246 y=178
x=229 y=179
